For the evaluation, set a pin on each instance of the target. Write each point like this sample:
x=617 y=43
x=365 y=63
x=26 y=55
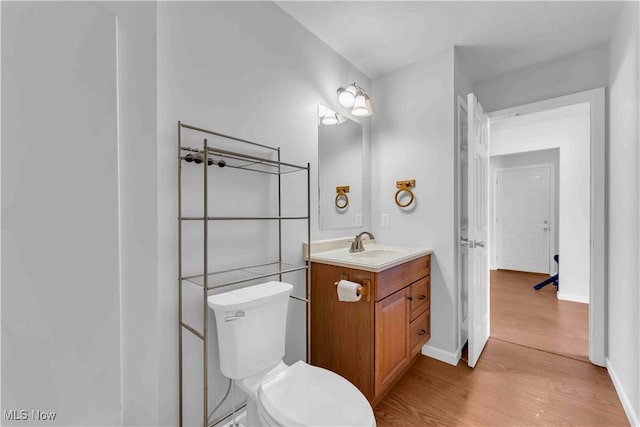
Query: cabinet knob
x=422 y=297
x=410 y=298
x=422 y=332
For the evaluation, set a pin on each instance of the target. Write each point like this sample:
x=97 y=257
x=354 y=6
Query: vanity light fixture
x=353 y=96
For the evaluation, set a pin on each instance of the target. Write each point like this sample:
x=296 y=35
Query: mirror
x=339 y=170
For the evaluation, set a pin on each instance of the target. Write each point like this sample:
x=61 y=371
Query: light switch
x=359 y=220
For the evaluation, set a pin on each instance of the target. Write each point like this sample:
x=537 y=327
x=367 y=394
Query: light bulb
x=330 y=119
x=347 y=96
x=360 y=106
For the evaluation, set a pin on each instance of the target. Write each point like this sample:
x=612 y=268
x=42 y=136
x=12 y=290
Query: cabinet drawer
x=420 y=330
x=398 y=277
x=420 y=296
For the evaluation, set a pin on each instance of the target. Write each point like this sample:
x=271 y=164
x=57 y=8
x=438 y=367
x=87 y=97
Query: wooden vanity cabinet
x=374 y=341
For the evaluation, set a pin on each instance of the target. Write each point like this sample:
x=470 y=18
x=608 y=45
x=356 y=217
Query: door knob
x=464 y=242
x=479 y=243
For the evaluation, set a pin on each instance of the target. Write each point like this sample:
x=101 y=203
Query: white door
x=522 y=218
x=478 y=205
x=463 y=220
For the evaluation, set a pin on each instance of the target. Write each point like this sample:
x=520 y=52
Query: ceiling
x=496 y=36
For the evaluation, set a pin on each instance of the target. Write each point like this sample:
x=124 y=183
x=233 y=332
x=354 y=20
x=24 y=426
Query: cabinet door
x=392 y=338
x=342 y=334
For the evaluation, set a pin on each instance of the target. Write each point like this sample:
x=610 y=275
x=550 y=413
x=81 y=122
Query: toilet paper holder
x=363 y=290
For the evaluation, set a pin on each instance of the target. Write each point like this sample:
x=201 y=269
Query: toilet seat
x=305 y=395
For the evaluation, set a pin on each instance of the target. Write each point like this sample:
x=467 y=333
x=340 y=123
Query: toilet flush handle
x=239 y=314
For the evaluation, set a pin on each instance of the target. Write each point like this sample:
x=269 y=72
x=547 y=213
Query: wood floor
x=537 y=319
x=513 y=384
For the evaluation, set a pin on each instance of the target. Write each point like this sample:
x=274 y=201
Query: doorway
x=567 y=130
x=592 y=260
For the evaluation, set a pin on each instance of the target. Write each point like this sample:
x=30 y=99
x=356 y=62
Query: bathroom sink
x=375 y=257
x=374 y=253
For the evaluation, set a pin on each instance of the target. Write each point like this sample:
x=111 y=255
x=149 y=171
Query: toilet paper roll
x=348 y=291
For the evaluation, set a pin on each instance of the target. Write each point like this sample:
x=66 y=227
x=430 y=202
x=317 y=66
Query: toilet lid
x=305 y=395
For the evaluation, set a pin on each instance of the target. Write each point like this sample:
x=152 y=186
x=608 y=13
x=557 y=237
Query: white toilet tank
x=251 y=325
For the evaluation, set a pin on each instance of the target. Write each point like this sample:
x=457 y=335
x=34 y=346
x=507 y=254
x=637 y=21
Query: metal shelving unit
x=214 y=280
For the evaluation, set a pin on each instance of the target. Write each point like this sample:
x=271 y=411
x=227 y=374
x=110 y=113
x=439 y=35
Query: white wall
x=529 y=158
x=566 y=128
x=624 y=200
x=60 y=225
x=136 y=201
x=138 y=208
x=413 y=139
x=248 y=70
x=581 y=71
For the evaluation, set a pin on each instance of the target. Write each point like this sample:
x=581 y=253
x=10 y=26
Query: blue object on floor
x=553 y=279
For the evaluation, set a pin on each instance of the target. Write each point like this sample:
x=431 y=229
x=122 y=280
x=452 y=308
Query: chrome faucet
x=356 y=245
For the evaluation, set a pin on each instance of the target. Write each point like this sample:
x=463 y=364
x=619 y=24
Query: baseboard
x=634 y=419
x=452 y=358
x=573 y=298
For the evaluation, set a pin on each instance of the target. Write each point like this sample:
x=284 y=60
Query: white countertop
x=375 y=258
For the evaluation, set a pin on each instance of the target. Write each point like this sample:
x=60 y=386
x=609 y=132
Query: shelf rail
x=247 y=274
x=277 y=165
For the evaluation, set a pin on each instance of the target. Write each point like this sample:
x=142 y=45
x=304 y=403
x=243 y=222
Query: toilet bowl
x=251 y=324
x=305 y=395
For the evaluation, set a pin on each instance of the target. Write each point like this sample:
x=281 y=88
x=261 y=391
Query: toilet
x=251 y=324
